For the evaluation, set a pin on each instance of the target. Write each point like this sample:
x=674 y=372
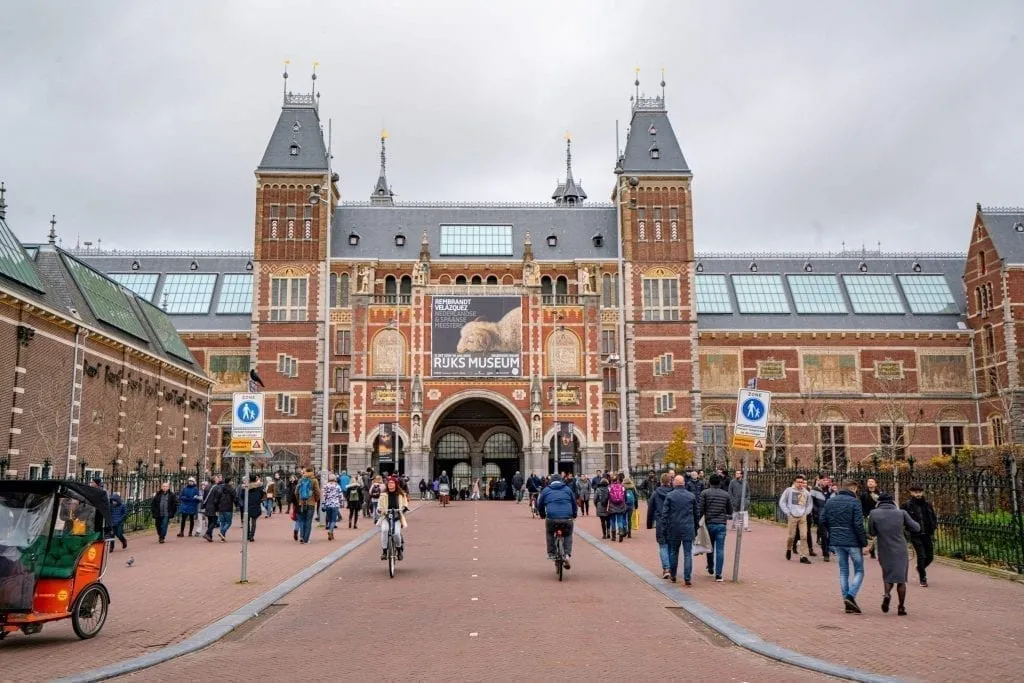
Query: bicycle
x=391 y=553
x=560 y=548
x=533 y=505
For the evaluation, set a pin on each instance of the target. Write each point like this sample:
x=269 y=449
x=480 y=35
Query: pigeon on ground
x=131 y=561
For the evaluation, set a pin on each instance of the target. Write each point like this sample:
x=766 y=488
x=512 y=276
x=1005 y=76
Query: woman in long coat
x=886 y=523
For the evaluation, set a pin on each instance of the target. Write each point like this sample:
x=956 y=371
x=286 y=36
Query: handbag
x=295 y=514
x=702 y=544
x=635 y=521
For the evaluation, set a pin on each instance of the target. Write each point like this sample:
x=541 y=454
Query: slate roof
x=376 y=226
x=164 y=263
x=62 y=295
x=949 y=266
x=298 y=123
x=1001 y=224
x=650 y=115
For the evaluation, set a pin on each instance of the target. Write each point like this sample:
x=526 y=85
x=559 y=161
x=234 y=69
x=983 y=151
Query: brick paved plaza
x=475 y=599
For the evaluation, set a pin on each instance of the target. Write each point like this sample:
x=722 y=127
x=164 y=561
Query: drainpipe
x=71 y=408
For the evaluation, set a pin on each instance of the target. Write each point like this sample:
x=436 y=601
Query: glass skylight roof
x=760 y=294
x=816 y=294
x=143 y=284
x=235 y=293
x=106 y=299
x=185 y=293
x=928 y=294
x=713 y=294
x=873 y=294
x=169 y=338
x=476 y=240
x=14 y=263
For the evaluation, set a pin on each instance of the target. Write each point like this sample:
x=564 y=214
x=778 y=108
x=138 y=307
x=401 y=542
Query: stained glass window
x=713 y=294
x=235 y=293
x=760 y=294
x=143 y=284
x=928 y=294
x=168 y=337
x=185 y=293
x=873 y=294
x=816 y=294
x=14 y=263
x=476 y=240
x=106 y=299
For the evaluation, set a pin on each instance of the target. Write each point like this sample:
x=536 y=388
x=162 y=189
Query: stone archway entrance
x=477 y=438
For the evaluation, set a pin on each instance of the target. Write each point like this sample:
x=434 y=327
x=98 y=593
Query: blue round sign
x=248 y=412
x=753 y=410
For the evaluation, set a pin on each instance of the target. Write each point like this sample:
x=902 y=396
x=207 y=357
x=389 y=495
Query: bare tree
x=48 y=410
x=898 y=423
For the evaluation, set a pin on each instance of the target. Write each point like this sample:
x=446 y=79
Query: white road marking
x=474 y=634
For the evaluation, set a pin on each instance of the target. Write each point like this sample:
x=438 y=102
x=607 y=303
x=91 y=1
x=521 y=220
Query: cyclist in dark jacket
x=557 y=506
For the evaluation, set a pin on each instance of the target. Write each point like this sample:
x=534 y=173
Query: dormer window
x=652 y=130
x=294 y=149
x=552 y=240
x=655 y=153
x=399 y=240
x=598 y=240
x=353 y=238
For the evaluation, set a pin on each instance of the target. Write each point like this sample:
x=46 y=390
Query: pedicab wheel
x=89 y=612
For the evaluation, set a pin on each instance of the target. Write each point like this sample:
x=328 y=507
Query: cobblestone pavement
x=960 y=614
x=475 y=599
x=171 y=591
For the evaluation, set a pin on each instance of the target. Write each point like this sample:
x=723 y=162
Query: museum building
x=484 y=338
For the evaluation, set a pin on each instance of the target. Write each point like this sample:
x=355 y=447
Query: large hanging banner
x=566 y=453
x=476 y=336
x=386 y=443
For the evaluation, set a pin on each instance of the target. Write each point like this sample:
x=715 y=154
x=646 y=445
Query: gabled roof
x=651 y=144
x=297 y=143
x=1006 y=228
x=376 y=227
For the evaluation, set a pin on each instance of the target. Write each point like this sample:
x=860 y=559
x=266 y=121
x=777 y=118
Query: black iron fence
x=978 y=510
x=138 y=486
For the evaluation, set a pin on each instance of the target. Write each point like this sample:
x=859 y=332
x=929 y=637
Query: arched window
x=405 y=290
x=492 y=279
x=333 y=290
x=477 y=280
x=343 y=290
x=561 y=289
x=460 y=280
x=609 y=290
x=391 y=289
x=451 y=446
x=501 y=445
x=546 y=290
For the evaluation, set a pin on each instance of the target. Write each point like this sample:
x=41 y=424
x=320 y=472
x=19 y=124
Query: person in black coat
x=209 y=505
x=251 y=497
x=922 y=512
x=678 y=517
x=654 y=505
x=164 y=507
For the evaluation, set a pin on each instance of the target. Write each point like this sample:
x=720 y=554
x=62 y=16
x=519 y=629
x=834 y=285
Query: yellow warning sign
x=747 y=443
x=246 y=445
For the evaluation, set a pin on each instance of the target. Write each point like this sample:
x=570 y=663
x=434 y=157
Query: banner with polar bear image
x=476 y=336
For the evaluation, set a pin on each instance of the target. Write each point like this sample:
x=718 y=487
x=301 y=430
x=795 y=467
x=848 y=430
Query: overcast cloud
x=806 y=124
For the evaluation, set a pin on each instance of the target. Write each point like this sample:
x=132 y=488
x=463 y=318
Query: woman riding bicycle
x=443 y=488
x=392 y=499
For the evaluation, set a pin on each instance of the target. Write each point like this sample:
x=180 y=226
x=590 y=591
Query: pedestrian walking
x=280 y=491
x=678 y=517
x=251 y=496
x=632 y=505
x=654 y=506
x=796 y=503
x=188 y=506
x=583 y=485
x=307 y=494
x=211 y=503
x=118 y=512
x=843 y=517
x=354 y=495
x=716 y=509
x=822 y=491
x=269 y=489
x=163 y=507
x=517 y=486
x=332 y=505
x=886 y=524
x=423 y=489
x=868 y=501
x=922 y=512
x=601 y=507
x=617 y=508
x=739 y=496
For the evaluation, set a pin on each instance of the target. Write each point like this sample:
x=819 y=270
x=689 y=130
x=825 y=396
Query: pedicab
x=53 y=554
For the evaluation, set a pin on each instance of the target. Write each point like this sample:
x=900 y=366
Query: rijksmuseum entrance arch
x=476 y=437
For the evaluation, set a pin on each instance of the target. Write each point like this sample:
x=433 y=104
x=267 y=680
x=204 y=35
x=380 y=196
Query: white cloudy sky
x=806 y=123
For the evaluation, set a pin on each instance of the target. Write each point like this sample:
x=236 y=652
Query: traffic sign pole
x=246 y=437
x=750 y=434
x=244 y=578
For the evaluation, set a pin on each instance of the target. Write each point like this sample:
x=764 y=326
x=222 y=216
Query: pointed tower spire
x=52 y=237
x=3 y=203
x=570 y=192
x=663 y=85
x=382 y=194
x=284 y=86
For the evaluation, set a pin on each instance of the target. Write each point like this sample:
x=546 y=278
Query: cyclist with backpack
x=354 y=501
x=307 y=493
x=376 y=488
x=618 y=508
x=556 y=505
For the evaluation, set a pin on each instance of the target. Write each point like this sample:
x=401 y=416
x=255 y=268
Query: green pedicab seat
x=62 y=557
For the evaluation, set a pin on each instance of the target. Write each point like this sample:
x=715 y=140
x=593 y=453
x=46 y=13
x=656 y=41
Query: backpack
x=617 y=494
x=353 y=494
x=630 y=498
x=375 y=492
x=305 y=488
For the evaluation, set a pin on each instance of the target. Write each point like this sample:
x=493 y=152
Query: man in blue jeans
x=843 y=521
x=307 y=493
x=678 y=520
x=716 y=509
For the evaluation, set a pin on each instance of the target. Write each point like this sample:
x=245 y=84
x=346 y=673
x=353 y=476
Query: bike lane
x=476 y=598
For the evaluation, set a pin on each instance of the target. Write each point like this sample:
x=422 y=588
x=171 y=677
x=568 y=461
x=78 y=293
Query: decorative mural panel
x=720 y=373
x=888 y=369
x=563 y=353
x=944 y=373
x=771 y=369
x=825 y=372
x=229 y=372
x=388 y=352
